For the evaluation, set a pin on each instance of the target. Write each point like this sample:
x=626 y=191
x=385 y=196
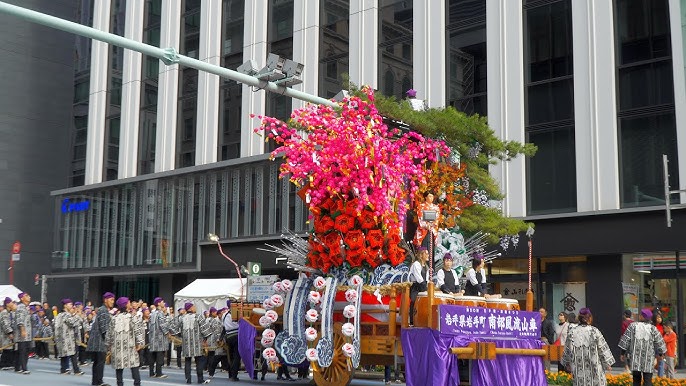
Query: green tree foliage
x=464 y=132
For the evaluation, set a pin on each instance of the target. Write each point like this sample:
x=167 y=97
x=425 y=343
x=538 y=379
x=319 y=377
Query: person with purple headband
x=7 y=334
x=125 y=337
x=587 y=354
x=194 y=331
x=65 y=324
x=96 y=338
x=640 y=345
x=158 y=336
x=23 y=336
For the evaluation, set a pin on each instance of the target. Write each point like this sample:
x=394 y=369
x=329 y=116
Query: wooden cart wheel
x=338 y=374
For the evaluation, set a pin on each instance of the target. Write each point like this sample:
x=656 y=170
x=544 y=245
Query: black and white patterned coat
x=99 y=328
x=65 y=340
x=22 y=317
x=6 y=328
x=194 y=331
x=642 y=341
x=125 y=332
x=158 y=328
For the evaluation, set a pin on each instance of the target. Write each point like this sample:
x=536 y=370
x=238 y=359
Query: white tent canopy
x=9 y=291
x=207 y=293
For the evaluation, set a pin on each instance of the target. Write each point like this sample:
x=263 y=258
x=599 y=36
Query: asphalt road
x=46 y=373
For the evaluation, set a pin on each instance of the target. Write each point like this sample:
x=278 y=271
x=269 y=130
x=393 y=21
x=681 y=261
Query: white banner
x=568 y=298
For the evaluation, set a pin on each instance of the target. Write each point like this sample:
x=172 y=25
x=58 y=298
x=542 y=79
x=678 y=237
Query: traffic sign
x=254 y=269
x=16 y=247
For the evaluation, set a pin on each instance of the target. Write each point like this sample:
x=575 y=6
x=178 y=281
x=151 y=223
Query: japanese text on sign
x=489 y=323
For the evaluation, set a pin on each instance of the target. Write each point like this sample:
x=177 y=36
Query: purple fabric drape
x=428 y=360
x=511 y=370
x=246 y=345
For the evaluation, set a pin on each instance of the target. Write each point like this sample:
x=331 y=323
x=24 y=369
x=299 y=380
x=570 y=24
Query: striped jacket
x=22 y=317
x=158 y=328
x=194 y=330
x=96 y=337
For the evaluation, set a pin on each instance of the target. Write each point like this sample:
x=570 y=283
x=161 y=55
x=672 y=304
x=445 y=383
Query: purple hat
x=107 y=295
x=157 y=300
x=212 y=309
x=21 y=295
x=222 y=310
x=420 y=249
x=188 y=306
x=7 y=301
x=122 y=302
x=66 y=301
x=228 y=303
x=448 y=256
x=411 y=93
x=646 y=313
x=78 y=304
x=144 y=309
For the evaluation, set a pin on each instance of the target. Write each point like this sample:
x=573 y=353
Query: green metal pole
x=168 y=55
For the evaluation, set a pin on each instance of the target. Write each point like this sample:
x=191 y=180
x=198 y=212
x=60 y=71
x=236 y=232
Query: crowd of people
x=129 y=334
x=646 y=346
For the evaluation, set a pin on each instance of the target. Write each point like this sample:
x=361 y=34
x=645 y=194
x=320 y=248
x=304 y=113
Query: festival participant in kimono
x=46 y=332
x=213 y=339
x=158 y=337
x=124 y=338
x=586 y=353
x=427 y=227
x=221 y=353
x=80 y=333
x=419 y=277
x=96 y=338
x=144 y=353
x=23 y=336
x=194 y=331
x=65 y=339
x=7 y=334
x=640 y=344
x=231 y=339
x=447 y=279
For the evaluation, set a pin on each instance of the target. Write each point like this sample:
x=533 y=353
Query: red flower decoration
x=368 y=220
x=350 y=207
x=373 y=258
x=355 y=257
x=375 y=238
x=344 y=223
x=333 y=242
x=355 y=239
x=323 y=224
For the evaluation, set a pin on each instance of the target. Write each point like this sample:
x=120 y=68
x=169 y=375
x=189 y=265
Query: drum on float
x=502 y=304
x=470 y=301
x=422 y=307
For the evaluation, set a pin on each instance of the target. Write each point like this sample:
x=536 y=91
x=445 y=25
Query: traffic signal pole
x=168 y=56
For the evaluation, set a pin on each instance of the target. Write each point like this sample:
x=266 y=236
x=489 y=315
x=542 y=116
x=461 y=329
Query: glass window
x=643 y=141
x=231 y=93
x=466 y=50
x=645 y=89
x=549 y=111
x=114 y=93
x=150 y=74
x=552 y=171
x=395 y=46
x=334 y=45
x=279 y=42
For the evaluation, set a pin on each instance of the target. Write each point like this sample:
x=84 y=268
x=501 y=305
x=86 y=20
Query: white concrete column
x=207 y=137
x=364 y=42
x=595 y=107
x=131 y=92
x=506 y=95
x=168 y=90
x=678 y=63
x=429 y=57
x=97 y=101
x=306 y=46
x=254 y=47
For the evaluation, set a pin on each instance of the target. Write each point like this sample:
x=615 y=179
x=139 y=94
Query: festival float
x=363 y=181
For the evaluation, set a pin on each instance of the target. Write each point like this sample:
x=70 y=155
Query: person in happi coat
x=447 y=279
x=96 y=338
x=586 y=353
x=46 y=333
x=194 y=331
x=213 y=340
x=65 y=339
x=221 y=353
x=7 y=334
x=125 y=338
x=640 y=344
x=23 y=336
x=158 y=337
x=80 y=333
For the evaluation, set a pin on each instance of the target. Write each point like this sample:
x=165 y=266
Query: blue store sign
x=69 y=206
